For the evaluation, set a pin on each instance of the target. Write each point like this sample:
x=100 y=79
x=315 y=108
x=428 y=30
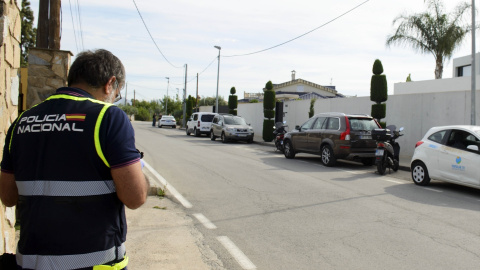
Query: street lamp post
x=166 y=103
x=473 y=72
x=218 y=75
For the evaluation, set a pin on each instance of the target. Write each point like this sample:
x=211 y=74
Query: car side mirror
x=297 y=127
x=473 y=147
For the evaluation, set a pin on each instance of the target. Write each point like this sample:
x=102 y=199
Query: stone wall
x=10 y=26
x=47 y=71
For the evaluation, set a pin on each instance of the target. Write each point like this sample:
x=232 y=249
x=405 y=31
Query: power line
x=278 y=45
x=152 y=37
x=73 y=24
x=80 y=25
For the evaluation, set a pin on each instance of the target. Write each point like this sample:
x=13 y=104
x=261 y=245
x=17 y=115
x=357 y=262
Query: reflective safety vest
x=70 y=215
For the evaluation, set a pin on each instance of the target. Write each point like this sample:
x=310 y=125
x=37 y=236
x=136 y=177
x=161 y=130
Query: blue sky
x=340 y=53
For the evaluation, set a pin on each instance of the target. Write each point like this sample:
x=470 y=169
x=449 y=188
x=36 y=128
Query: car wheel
x=174 y=126
x=250 y=140
x=327 y=156
x=368 y=161
x=159 y=126
x=288 y=151
x=196 y=132
x=223 y=137
x=420 y=174
x=188 y=132
x=212 y=136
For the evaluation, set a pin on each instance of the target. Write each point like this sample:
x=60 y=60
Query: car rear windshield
x=235 y=120
x=207 y=117
x=366 y=124
x=168 y=118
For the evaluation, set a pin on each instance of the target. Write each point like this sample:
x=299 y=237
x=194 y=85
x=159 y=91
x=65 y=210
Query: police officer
x=70 y=165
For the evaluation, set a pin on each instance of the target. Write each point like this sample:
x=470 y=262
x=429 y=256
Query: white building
x=302 y=89
x=460 y=81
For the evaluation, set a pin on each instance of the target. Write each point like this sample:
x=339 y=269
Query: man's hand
x=131 y=185
x=8 y=189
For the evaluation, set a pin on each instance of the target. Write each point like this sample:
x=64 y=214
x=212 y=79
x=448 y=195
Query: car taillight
x=198 y=125
x=418 y=144
x=380 y=144
x=346 y=134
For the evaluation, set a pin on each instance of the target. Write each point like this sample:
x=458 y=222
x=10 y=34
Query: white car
x=167 y=120
x=200 y=123
x=448 y=153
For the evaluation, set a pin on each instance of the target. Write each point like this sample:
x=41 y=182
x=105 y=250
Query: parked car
x=231 y=127
x=200 y=123
x=448 y=153
x=334 y=136
x=167 y=120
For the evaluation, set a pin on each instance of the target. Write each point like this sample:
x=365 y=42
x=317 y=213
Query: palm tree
x=432 y=31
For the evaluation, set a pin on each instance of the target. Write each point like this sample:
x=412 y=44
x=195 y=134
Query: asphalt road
x=259 y=210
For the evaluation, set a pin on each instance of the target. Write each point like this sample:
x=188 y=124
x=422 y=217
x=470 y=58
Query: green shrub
x=128 y=109
x=269 y=114
x=311 y=113
x=379 y=111
x=269 y=100
x=378 y=88
x=189 y=107
x=234 y=112
x=377 y=67
x=378 y=91
x=232 y=102
x=143 y=114
x=268 y=128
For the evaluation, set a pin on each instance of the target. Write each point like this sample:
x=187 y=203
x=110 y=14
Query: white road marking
x=236 y=253
x=169 y=187
x=204 y=220
x=393 y=181
x=431 y=189
x=352 y=172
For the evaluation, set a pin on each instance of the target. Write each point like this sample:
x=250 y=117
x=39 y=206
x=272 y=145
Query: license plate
x=242 y=135
x=366 y=137
x=379 y=152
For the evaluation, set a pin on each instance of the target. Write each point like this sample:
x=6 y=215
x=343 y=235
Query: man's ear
x=108 y=87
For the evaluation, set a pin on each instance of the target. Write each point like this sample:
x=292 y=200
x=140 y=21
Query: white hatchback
x=448 y=153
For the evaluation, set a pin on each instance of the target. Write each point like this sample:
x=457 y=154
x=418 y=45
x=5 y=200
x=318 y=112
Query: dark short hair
x=95 y=68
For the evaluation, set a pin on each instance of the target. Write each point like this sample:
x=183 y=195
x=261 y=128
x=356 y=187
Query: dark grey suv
x=334 y=136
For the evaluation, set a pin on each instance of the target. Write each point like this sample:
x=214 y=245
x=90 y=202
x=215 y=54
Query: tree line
x=144 y=110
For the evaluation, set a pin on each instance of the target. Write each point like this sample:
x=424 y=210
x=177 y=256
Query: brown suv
x=334 y=136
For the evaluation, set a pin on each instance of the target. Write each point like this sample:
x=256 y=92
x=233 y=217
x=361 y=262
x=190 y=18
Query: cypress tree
x=378 y=92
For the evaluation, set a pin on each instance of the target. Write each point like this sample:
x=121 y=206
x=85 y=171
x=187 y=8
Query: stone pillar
x=10 y=26
x=47 y=71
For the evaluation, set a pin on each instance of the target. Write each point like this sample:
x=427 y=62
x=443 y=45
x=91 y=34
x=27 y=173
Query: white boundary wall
x=416 y=112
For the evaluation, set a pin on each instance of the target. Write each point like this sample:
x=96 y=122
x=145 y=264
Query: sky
x=340 y=52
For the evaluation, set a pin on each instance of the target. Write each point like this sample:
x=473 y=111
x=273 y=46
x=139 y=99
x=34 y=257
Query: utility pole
x=133 y=97
x=185 y=98
x=42 y=25
x=48 y=26
x=54 y=25
x=196 y=95
x=166 y=103
x=474 y=74
x=126 y=90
